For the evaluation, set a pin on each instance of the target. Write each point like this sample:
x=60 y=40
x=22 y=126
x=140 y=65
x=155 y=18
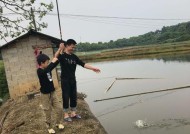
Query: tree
x=176 y=33
x=3 y=82
x=14 y=14
x=0 y=56
x=188 y=28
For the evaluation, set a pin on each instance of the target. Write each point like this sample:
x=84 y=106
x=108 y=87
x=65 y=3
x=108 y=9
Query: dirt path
x=26 y=117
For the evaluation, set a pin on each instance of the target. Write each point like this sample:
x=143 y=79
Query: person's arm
x=60 y=50
x=52 y=65
x=58 y=53
x=87 y=66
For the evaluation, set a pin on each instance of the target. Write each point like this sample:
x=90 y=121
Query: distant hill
x=175 y=33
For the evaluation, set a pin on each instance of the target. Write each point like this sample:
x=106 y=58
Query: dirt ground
x=25 y=116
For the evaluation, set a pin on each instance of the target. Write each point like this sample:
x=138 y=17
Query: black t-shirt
x=68 y=64
x=45 y=78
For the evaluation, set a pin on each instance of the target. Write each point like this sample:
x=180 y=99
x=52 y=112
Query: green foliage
x=176 y=33
x=1 y=56
x=3 y=82
x=23 y=11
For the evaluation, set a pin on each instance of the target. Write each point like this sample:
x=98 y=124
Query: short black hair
x=70 y=41
x=42 y=58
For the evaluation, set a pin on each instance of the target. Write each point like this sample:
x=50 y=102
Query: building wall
x=20 y=65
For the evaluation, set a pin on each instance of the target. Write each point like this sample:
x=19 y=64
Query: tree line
x=169 y=34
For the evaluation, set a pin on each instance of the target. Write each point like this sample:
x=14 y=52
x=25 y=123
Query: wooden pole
x=110 y=86
x=33 y=19
x=125 y=79
x=134 y=78
x=59 y=20
x=150 y=92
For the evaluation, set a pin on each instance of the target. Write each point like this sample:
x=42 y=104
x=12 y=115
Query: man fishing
x=68 y=62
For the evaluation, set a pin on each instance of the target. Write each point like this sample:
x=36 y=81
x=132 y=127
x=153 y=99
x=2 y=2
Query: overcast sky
x=94 y=29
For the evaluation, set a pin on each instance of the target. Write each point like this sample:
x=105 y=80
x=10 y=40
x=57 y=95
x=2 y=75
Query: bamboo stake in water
x=150 y=92
x=134 y=78
x=125 y=79
x=110 y=86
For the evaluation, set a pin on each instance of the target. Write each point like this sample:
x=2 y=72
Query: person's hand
x=54 y=60
x=96 y=70
x=61 y=46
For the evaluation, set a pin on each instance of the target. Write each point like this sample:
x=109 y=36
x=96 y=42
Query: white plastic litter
x=60 y=126
x=51 y=131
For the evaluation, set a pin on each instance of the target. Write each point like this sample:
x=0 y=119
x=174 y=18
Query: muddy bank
x=25 y=116
x=138 y=52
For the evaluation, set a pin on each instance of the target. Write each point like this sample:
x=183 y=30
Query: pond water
x=164 y=112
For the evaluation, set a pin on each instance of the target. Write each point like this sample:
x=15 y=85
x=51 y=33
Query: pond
x=163 y=112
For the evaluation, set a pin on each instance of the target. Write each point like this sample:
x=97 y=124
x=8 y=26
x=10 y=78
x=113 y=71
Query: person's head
x=43 y=60
x=70 y=45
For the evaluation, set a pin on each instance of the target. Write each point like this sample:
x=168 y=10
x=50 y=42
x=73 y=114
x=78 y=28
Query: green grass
x=3 y=82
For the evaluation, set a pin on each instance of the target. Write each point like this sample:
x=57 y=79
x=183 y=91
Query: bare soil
x=25 y=116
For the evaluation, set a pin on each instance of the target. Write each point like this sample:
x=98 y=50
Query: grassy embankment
x=137 y=52
x=22 y=109
x=27 y=117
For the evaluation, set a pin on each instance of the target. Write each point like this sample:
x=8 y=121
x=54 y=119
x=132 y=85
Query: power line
x=111 y=17
x=124 y=23
x=119 y=21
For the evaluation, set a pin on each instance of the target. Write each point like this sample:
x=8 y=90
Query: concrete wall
x=20 y=65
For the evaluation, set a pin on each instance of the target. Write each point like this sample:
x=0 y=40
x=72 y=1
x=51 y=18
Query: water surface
x=165 y=112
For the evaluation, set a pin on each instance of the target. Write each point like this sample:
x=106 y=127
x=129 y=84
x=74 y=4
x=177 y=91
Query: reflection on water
x=165 y=112
x=177 y=57
x=123 y=106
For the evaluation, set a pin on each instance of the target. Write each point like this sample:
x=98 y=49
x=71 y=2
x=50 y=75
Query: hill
x=169 y=34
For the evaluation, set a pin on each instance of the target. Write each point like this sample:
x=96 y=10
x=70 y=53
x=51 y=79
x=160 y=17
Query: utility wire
x=111 y=17
x=114 y=17
x=118 y=21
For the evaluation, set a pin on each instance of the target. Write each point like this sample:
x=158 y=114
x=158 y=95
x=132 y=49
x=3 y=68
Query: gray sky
x=94 y=30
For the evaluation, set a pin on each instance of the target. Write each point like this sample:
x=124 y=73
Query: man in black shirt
x=48 y=96
x=68 y=62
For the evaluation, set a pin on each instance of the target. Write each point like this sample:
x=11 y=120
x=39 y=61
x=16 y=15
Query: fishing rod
x=59 y=20
x=150 y=92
